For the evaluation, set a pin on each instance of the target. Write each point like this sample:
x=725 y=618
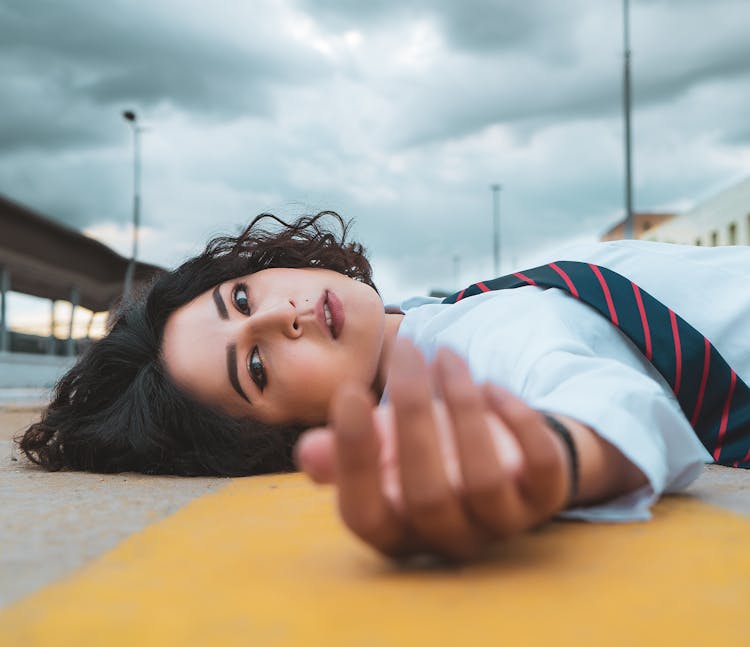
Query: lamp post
x=132 y=119
x=496 y=226
x=628 y=228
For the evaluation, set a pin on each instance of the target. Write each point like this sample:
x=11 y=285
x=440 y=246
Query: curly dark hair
x=118 y=410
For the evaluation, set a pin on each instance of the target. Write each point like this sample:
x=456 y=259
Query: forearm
x=604 y=473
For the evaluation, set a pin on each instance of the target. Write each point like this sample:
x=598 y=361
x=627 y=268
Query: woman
x=222 y=363
x=119 y=410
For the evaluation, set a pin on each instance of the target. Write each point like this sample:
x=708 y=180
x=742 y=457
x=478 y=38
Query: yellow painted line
x=265 y=562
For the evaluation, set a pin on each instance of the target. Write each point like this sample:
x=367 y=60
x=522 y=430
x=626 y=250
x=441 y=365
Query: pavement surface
x=55 y=522
x=124 y=559
x=19 y=408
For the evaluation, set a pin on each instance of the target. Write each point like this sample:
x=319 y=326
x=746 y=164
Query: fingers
x=544 y=480
x=432 y=505
x=428 y=508
x=314 y=455
x=489 y=488
x=362 y=503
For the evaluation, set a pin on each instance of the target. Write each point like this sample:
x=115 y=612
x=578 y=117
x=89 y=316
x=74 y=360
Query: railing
x=35 y=344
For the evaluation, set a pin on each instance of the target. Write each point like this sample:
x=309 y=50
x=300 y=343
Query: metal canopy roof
x=47 y=259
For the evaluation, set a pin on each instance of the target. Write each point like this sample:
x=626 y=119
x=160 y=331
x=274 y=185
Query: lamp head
x=129 y=115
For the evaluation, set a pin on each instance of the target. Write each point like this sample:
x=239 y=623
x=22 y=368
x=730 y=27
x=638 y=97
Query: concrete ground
x=60 y=530
x=19 y=408
x=13 y=420
x=53 y=523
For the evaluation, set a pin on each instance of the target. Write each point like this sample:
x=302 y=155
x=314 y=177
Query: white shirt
x=562 y=356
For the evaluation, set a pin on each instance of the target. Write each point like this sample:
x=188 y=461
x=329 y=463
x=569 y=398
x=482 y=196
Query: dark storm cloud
x=738 y=136
x=543 y=28
x=470 y=25
x=527 y=64
x=42 y=123
x=63 y=60
x=446 y=109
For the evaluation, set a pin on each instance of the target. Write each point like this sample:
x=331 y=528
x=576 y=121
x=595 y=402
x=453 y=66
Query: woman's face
x=275 y=345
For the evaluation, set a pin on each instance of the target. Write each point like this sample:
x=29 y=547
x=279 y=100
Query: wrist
x=603 y=472
x=571 y=450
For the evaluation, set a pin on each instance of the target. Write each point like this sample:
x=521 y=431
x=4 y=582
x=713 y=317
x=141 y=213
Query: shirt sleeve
x=585 y=368
x=632 y=412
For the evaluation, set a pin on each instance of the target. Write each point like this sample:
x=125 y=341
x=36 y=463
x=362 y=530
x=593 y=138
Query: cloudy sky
x=397 y=114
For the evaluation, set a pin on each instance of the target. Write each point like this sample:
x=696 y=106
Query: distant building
x=42 y=258
x=723 y=219
x=642 y=224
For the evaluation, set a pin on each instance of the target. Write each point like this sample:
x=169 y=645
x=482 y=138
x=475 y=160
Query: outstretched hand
x=447 y=468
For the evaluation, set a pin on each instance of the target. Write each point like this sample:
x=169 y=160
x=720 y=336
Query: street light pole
x=132 y=119
x=628 y=228
x=496 y=226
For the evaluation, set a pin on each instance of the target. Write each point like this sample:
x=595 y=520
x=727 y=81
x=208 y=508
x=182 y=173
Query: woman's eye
x=240 y=300
x=256 y=370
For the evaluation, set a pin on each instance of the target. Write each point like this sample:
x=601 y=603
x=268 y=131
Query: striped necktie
x=712 y=397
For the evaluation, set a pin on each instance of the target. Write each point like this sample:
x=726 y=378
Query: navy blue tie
x=712 y=397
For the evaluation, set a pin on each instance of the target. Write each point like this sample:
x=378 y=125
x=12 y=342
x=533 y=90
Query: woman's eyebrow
x=220 y=307
x=232 y=370
x=234 y=379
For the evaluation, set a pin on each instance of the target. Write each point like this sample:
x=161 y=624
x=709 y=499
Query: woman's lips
x=330 y=313
x=334 y=310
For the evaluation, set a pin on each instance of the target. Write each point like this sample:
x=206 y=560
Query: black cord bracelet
x=561 y=430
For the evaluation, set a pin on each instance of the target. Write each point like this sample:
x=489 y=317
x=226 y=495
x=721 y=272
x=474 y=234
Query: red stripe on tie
x=724 y=417
x=565 y=278
x=644 y=321
x=607 y=295
x=746 y=459
x=524 y=278
x=460 y=295
x=677 y=353
x=704 y=379
x=482 y=287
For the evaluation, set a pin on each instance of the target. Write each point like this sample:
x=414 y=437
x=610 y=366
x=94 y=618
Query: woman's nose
x=280 y=317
